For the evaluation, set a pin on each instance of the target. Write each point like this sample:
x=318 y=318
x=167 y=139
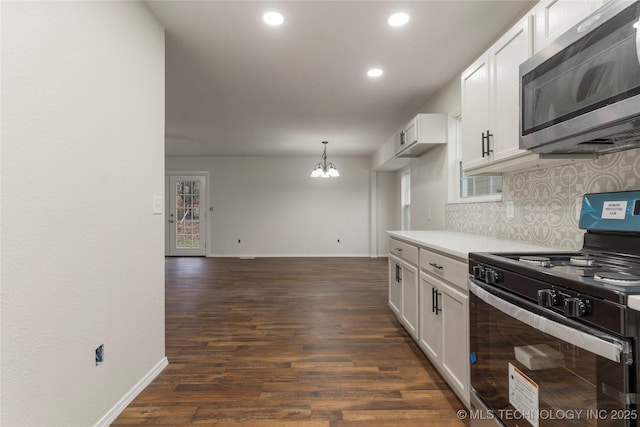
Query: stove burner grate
x=582 y=261
x=540 y=261
x=616 y=278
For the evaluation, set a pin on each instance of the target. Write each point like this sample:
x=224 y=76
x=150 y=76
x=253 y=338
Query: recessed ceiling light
x=398 y=19
x=273 y=18
x=374 y=72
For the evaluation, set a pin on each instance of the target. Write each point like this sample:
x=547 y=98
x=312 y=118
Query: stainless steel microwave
x=581 y=94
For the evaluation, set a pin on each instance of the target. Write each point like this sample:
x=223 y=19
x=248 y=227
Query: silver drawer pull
x=434 y=265
x=398 y=249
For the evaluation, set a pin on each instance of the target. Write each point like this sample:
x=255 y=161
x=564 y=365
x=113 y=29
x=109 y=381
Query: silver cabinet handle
x=398 y=249
x=434 y=265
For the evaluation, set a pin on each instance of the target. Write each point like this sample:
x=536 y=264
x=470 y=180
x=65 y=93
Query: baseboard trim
x=117 y=409
x=249 y=256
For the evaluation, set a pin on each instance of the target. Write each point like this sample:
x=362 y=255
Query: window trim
x=405 y=222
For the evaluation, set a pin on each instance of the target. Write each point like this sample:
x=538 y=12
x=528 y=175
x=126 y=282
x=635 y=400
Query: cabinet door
x=475 y=112
x=395 y=286
x=430 y=332
x=554 y=17
x=505 y=58
x=455 y=335
x=411 y=132
x=410 y=299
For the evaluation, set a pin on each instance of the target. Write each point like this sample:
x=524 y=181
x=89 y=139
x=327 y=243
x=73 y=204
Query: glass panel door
x=187 y=216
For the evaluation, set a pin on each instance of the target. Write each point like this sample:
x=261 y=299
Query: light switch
x=511 y=209
x=158 y=206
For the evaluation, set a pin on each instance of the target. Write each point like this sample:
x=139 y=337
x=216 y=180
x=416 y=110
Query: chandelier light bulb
x=324 y=169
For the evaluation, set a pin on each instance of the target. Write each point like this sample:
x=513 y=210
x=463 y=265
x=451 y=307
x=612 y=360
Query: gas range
x=591 y=285
x=552 y=332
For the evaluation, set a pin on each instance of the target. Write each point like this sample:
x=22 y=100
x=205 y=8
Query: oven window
x=599 y=69
x=521 y=372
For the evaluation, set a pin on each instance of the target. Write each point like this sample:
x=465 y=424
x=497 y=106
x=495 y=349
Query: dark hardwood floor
x=288 y=342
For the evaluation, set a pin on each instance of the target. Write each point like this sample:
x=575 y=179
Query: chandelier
x=324 y=169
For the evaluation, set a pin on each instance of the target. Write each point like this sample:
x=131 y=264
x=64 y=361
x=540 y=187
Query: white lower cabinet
x=403 y=293
x=444 y=331
x=430 y=321
x=395 y=286
x=410 y=299
x=428 y=293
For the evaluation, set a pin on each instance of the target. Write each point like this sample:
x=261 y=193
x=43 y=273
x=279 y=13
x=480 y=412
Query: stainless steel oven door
x=532 y=367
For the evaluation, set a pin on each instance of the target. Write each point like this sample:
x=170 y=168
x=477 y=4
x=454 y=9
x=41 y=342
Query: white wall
x=275 y=208
x=82 y=255
x=388 y=208
x=429 y=173
x=429 y=193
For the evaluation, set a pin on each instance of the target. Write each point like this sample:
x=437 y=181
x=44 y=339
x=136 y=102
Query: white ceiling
x=235 y=86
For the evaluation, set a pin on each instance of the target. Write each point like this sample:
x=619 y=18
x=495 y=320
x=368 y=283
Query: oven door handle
x=594 y=341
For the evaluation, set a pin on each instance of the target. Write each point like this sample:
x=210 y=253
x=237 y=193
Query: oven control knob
x=479 y=272
x=576 y=307
x=548 y=298
x=493 y=276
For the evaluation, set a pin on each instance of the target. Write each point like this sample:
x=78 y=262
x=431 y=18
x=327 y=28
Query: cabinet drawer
x=453 y=271
x=404 y=251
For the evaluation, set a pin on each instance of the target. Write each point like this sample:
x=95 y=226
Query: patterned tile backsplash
x=545 y=201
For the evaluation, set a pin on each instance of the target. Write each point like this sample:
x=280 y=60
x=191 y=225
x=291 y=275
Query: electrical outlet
x=100 y=355
x=511 y=209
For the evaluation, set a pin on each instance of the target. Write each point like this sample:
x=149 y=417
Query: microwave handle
x=613 y=349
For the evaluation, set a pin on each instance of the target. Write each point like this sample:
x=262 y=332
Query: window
x=473 y=186
x=405 y=199
x=487 y=186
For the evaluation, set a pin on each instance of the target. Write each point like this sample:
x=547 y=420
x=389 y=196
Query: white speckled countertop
x=459 y=245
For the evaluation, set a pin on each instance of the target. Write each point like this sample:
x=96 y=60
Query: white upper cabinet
x=505 y=58
x=422 y=133
x=554 y=17
x=475 y=112
x=490 y=124
x=490 y=90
